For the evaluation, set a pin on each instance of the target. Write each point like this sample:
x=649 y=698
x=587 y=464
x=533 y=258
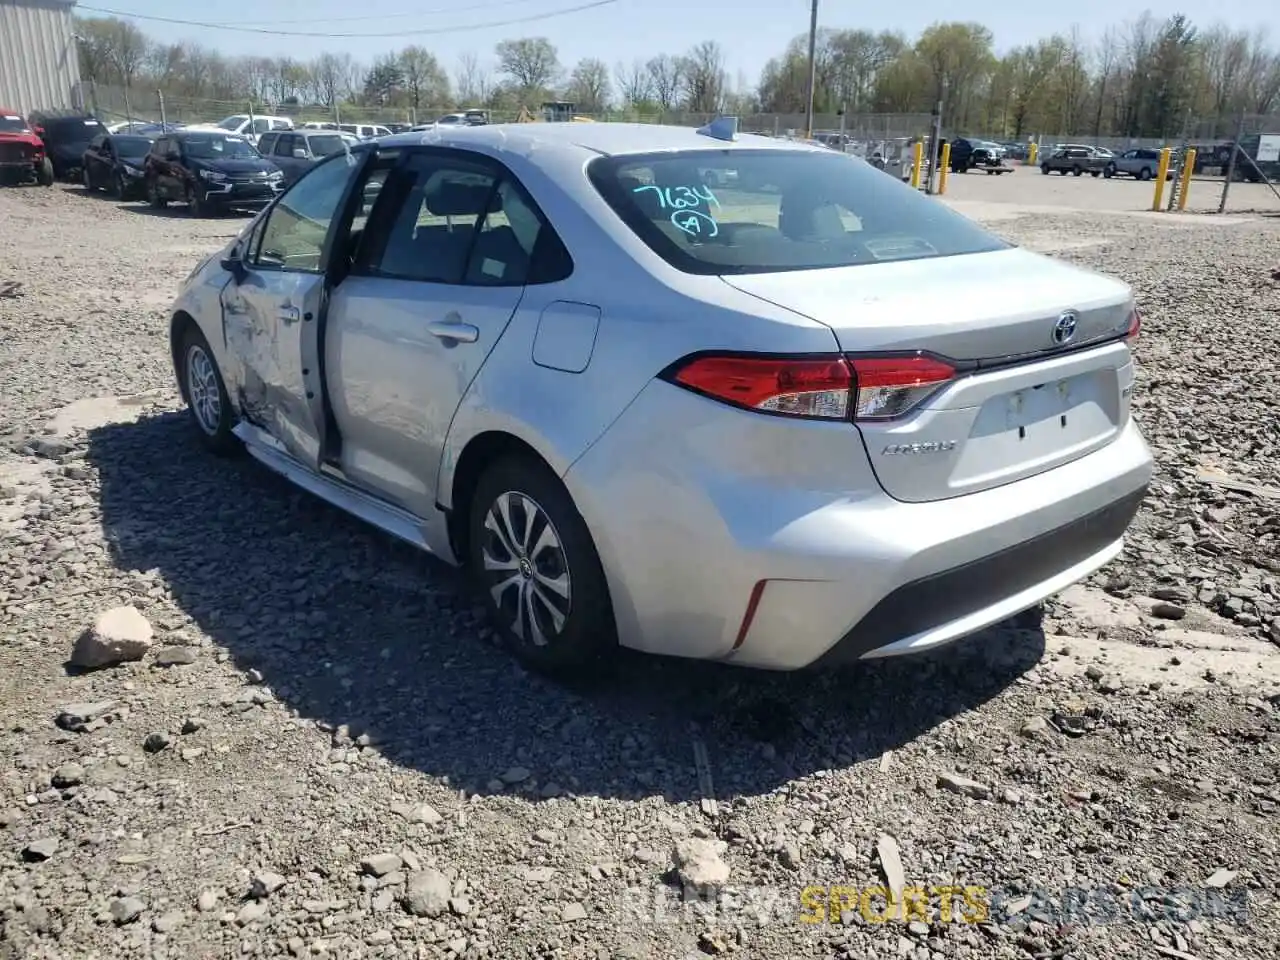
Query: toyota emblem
x=1065 y=328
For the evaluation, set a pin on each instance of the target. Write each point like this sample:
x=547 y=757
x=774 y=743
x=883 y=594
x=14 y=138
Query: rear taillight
x=1135 y=325
x=804 y=387
x=826 y=388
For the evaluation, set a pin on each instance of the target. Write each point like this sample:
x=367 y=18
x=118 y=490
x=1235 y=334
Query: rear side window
x=768 y=211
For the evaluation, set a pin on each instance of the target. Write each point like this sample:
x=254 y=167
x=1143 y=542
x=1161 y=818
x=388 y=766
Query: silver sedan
x=685 y=391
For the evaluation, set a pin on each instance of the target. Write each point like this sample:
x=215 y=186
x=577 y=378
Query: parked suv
x=969 y=154
x=114 y=162
x=297 y=151
x=66 y=139
x=1074 y=160
x=1141 y=164
x=210 y=172
x=22 y=154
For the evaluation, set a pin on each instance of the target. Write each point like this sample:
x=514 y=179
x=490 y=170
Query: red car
x=22 y=153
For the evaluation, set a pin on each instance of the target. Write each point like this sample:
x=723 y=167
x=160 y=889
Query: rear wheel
x=1144 y=173
x=206 y=394
x=531 y=552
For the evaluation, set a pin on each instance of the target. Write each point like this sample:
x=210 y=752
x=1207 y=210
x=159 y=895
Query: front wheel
x=153 y=195
x=1044 y=168
x=118 y=188
x=531 y=552
x=87 y=178
x=206 y=394
x=1076 y=171
x=1144 y=173
x=44 y=173
x=1109 y=171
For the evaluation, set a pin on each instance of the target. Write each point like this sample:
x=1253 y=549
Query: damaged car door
x=272 y=308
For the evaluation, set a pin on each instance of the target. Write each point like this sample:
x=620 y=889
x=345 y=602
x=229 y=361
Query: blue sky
x=750 y=31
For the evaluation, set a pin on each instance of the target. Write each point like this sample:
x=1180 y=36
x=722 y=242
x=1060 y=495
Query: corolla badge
x=912 y=449
x=1065 y=328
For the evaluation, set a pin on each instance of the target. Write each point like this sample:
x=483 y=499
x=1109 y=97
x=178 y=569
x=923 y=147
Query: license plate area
x=1046 y=406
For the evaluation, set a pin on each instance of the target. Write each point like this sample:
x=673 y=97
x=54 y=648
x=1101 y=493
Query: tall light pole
x=813 y=69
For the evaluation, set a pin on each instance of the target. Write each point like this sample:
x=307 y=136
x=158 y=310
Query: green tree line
x=1147 y=78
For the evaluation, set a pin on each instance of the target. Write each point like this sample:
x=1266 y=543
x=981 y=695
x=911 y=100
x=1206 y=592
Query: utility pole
x=813 y=68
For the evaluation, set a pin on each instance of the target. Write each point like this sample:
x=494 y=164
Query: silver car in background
x=683 y=391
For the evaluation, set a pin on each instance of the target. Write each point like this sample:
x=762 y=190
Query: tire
x=1077 y=171
x=1044 y=168
x=118 y=189
x=1095 y=173
x=1109 y=171
x=195 y=206
x=513 y=582
x=1144 y=173
x=208 y=403
x=44 y=173
x=153 y=195
x=87 y=179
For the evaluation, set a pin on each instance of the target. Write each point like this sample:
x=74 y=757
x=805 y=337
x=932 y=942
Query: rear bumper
x=944 y=606
x=768 y=543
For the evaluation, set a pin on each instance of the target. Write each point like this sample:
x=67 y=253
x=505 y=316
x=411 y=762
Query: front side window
x=767 y=211
x=296 y=227
x=284 y=144
x=266 y=143
x=234 y=123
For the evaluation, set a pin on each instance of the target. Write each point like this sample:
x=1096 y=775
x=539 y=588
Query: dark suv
x=969 y=154
x=66 y=139
x=210 y=172
x=1076 y=161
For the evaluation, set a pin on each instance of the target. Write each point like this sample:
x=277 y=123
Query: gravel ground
x=321 y=753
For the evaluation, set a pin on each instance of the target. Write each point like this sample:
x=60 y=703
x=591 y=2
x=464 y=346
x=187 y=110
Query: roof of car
x=602 y=138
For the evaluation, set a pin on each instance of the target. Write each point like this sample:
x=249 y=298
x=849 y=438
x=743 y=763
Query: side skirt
x=331 y=487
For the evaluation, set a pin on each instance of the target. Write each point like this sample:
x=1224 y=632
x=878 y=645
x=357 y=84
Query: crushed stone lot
x=320 y=752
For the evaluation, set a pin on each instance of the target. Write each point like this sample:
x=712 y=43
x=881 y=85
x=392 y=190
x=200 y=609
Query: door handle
x=290 y=314
x=452 y=330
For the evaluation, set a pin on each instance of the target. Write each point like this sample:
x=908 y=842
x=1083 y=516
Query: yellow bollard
x=1188 y=165
x=944 y=164
x=1031 y=154
x=1161 y=172
x=917 y=160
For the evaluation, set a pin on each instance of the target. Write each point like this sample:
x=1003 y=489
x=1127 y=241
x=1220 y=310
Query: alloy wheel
x=202 y=389
x=525 y=568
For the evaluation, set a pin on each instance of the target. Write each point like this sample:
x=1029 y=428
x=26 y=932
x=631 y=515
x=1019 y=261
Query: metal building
x=39 y=63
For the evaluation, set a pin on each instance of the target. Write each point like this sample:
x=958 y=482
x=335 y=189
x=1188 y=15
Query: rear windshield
x=768 y=211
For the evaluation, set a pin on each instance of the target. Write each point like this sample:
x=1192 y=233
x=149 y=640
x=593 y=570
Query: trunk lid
x=1022 y=403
